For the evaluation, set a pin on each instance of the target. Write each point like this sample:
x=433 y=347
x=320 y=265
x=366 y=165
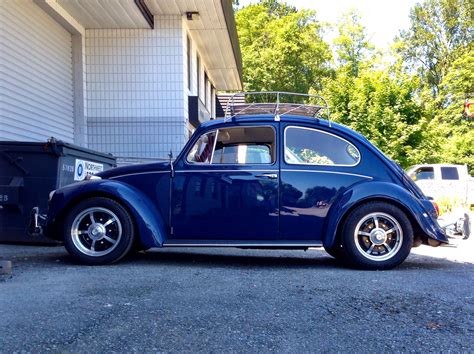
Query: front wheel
x=98 y=231
x=377 y=236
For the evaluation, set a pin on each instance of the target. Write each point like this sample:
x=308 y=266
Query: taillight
x=436 y=207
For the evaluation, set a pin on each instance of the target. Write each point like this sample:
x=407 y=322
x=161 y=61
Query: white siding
x=36 y=90
x=134 y=85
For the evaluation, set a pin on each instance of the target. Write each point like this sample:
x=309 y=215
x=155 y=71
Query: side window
x=237 y=145
x=423 y=173
x=314 y=147
x=450 y=173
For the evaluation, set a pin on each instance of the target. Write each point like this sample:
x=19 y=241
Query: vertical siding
x=134 y=84
x=36 y=92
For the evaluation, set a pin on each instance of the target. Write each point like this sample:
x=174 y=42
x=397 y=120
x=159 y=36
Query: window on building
x=213 y=101
x=198 y=76
x=314 y=147
x=235 y=146
x=188 y=48
x=206 y=95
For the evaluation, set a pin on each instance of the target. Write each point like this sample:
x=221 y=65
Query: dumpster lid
x=57 y=147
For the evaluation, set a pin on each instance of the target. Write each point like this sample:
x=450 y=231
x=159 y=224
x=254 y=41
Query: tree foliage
x=282 y=48
x=382 y=108
x=352 y=46
x=458 y=146
x=411 y=109
x=438 y=29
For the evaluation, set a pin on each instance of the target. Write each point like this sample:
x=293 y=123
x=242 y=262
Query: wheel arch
x=423 y=227
x=418 y=233
x=145 y=218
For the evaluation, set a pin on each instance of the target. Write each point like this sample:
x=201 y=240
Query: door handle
x=268 y=175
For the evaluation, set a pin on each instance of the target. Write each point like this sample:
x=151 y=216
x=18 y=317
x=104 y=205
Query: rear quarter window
x=315 y=147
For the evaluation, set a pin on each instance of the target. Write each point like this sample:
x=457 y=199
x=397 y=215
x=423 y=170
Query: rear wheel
x=98 y=231
x=377 y=235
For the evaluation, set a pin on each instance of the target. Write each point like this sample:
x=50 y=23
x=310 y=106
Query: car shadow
x=235 y=258
x=225 y=257
x=208 y=257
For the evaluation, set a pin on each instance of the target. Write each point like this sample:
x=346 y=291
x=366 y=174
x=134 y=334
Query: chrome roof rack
x=277 y=103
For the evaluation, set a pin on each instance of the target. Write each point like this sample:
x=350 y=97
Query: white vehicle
x=448 y=183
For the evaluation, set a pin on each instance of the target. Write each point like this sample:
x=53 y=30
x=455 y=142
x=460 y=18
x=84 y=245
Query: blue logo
x=80 y=169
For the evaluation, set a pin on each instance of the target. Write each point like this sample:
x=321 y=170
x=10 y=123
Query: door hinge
x=171 y=230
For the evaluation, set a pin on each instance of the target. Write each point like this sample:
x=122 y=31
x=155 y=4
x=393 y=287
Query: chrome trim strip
x=242 y=244
x=140 y=173
x=205 y=171
x=323 y=132
x=333 y=172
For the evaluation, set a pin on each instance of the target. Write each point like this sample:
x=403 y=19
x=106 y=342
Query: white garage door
x=36 y=90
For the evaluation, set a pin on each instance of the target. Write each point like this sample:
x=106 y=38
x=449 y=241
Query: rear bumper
x=430 y=225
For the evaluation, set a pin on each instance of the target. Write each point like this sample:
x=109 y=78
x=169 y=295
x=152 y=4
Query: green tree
x=439 y=29
x=282 y=48
x=458 y=145
x=410 y=109
x=382 y=108
x=352 y=46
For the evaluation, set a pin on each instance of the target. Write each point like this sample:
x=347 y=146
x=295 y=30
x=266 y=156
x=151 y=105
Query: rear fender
x=392 y=193
x=148 y=220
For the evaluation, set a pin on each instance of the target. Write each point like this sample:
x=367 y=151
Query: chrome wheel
x=378 y=236
x=96 y=231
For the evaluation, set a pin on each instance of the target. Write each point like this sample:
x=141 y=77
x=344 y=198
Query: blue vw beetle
x=269 y=175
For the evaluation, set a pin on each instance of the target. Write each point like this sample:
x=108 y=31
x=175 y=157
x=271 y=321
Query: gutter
x=146 y=12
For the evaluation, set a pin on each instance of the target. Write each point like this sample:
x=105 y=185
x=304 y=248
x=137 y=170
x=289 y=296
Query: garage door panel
x=35 y=108
x=34 y=79
x=36 y=85
x=34 y=55
x=21 y=15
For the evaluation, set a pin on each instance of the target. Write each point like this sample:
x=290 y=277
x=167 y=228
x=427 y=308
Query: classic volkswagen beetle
x=269 y=175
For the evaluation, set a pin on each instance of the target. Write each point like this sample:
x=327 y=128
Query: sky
x=382 y=18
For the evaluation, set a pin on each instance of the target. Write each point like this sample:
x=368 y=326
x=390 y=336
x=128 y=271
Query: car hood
x=134 y=169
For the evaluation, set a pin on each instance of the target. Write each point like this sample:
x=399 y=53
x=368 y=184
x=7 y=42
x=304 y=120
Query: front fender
x=147 y=219
x=389 y=192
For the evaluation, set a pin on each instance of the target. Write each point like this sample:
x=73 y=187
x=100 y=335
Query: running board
x=247 y=244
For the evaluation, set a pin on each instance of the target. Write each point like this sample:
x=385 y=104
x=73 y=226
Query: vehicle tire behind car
x=98 y=231
x=377 y=236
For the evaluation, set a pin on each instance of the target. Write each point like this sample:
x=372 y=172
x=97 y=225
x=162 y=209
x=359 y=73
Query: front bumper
x=37 y=222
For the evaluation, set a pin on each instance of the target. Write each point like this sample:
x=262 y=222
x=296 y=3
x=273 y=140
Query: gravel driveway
x=237 y=300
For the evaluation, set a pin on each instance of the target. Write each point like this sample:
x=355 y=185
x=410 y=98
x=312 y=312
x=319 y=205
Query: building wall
x=193 y=90
x=134 y=88
x=119 y=91
x=36 y=82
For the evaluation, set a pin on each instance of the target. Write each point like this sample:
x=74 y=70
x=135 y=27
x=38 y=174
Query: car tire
x=377 y=236
x=98 y=231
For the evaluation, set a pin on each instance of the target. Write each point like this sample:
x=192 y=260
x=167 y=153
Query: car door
x=226 y=186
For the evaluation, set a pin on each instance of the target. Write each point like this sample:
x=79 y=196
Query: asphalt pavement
x=201 y=300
